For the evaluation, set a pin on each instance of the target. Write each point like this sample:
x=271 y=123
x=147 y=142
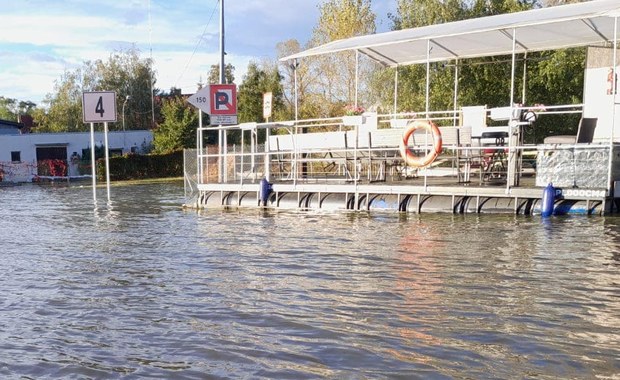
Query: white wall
x=75 y=142
x=27 y=144
x=598 y=99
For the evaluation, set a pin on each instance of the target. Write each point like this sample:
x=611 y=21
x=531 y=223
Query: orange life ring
x=410 y=158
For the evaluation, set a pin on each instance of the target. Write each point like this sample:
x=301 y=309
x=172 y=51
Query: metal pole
x=456 y=90
x=221 y=136
x=613 y=107
x=523 y=92
x=428 y=89
x=242 y=170
x=253 y=135
x=107 y=158
x=357 y=61
x=396 y=90
x=124 y=103
x=295 y=65
x=222 y=49
x=511 y=179
x=225 y=158
x=151 y=70
x=428 y=76
x=93 y=164
x=199 y=163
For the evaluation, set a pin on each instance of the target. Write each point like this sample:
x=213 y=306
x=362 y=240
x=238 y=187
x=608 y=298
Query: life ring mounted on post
x=410 y=158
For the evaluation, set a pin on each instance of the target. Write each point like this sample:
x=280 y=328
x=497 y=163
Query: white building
x=24 y=157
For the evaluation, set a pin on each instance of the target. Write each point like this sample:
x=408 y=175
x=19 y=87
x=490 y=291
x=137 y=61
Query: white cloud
x=40 y=39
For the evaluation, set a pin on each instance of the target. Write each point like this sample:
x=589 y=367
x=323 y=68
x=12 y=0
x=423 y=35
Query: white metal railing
x=329 y=150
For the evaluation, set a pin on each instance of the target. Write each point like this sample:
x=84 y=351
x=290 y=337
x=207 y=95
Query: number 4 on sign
x=99 y=108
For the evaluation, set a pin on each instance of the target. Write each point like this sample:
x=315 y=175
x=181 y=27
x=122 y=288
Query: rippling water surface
x=143 y=288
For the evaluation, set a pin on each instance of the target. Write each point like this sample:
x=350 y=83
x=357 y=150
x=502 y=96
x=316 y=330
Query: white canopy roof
x=535 y=30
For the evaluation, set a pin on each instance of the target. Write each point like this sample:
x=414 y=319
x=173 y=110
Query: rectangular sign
x=99 y=106
x=267 y=100
x=223 y=99
x=223 y=119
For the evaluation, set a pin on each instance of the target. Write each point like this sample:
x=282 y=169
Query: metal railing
x=330 y=151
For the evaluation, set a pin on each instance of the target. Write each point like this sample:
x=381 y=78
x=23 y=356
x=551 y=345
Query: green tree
x=130 y=76
x=483 y=80
x=64 y=105
x=229 y=74
x=178 y=129
x=124 y=72
x=336 y=73
x=7 y=108
x=298 y=73
x=11 y=108
x=257 y=81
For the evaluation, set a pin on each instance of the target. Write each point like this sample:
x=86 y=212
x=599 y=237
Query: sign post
x=107 y=158
x=99 y=107
x=267 y=105
x=92 y=161
x=219 y=101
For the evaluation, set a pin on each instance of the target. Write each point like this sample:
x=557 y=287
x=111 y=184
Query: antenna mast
x=222 y=51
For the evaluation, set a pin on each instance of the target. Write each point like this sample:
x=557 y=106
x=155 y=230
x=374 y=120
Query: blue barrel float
x=264 y=192
x=548 y=199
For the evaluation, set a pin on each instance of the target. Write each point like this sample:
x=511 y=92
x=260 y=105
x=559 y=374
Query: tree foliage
x=229 y=74
x=11 y=108
x=64 y=105
x=124 y=72
x=336 y=74
x=178 y=129
x=296 y=75
x=129 y=75
x=258 y=80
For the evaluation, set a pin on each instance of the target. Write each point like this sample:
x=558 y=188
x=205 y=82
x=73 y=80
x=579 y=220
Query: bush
x=134 y=166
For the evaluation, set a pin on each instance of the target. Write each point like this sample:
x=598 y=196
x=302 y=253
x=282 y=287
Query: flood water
x=141 y=288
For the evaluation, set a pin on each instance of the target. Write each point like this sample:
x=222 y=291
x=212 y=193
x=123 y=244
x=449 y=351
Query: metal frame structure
x=583 y=24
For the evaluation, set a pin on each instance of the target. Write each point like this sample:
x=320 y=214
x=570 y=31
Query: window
x=16 y=156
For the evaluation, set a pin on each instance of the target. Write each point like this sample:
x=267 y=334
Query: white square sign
x=99 y=106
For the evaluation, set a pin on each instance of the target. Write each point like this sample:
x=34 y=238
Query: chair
x=585 y=133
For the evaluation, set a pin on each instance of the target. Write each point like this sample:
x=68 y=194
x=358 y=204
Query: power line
x=198 y=43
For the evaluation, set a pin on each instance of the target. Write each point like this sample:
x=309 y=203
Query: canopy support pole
x=523 y=92
x=513 y=126
x=357 y=65
x=295 y=66
x=456 y=91
x=428 y=76
x=610 y=179
x=396 y=90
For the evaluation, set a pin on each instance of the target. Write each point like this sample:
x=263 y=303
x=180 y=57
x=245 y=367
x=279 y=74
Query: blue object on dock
x=265 y=191
x=548 y=199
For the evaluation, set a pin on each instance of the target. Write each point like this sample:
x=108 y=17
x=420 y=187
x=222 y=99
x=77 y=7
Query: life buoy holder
x=410 y=158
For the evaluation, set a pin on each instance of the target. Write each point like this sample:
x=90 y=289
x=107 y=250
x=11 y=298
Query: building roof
x=551 y=28
x=8 y=127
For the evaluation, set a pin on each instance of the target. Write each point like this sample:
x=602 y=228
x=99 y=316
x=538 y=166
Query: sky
x=41 y=39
